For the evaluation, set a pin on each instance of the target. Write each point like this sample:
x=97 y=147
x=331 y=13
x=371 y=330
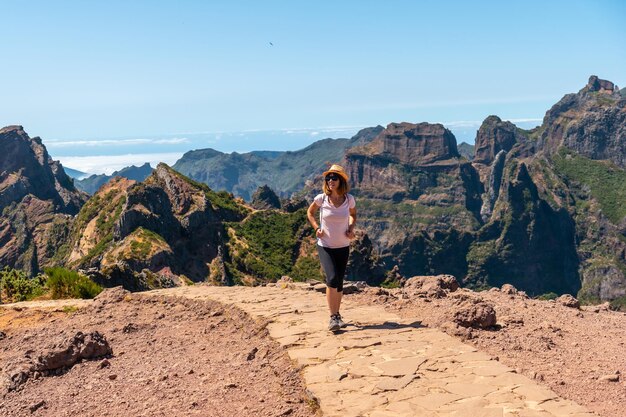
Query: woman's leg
x=334 y=262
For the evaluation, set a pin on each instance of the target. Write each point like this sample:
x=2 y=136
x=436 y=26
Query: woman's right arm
x=310 y=214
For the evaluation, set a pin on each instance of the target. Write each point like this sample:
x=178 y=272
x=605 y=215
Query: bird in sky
x=271 y=44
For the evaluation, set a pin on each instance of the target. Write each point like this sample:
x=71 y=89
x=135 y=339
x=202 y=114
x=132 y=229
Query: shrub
x=15 y=286
x=64 y=283
x=548 y=296
x=619 y=304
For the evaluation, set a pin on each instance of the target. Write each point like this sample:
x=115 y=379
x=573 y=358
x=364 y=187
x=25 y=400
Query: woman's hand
x=350 y=232
x=319 y=232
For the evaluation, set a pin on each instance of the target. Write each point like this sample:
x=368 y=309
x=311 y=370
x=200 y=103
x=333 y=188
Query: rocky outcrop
x=492 y=187
x=494 y=136
x=26 y=168
x=37 y=200
x=411 y=144
x=527 y=242
x=591 y=122
x=264 y=198
x=146 y=235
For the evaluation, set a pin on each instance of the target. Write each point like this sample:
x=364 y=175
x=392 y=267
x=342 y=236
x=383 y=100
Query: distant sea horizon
x=107 y=155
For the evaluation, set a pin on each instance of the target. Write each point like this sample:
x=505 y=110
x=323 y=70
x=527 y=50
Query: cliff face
x=494 y=136
x=37 y=200
x=417 y=200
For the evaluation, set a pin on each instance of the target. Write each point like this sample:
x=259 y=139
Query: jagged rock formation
x=264 y=198
x=284 y=172
x=92 y=183
x=591 y=122
x=541 y=209
x=37 y=200
x=494 y=136
x=417 y=200
x=149 y=234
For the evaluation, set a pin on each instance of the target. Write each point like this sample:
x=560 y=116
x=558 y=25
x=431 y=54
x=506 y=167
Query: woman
x=334 y=231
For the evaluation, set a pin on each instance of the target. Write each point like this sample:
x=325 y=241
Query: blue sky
x=193 y=74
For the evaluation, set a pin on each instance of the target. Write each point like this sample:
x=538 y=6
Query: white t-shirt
x=334 y=221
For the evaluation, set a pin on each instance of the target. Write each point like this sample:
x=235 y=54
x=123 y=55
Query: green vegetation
x=619 y=304
x=64 y=283
x=15 y=285
x=264 y=244
x=146 y=240
x=108 y=215
x=606 y=181
x=548 y=296
x=306 y=268
x=408 y=214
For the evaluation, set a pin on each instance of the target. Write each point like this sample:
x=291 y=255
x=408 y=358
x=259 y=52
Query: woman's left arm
x=351 y=223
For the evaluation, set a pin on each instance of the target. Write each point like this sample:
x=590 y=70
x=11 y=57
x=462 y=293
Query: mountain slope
x=91 y=184
x=37 y=201
x=284 y=172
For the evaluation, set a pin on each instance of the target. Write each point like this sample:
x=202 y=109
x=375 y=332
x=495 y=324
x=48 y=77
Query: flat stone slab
x=385 y=366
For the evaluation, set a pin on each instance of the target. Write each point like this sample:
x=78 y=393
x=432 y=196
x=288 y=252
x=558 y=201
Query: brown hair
x=342 y=189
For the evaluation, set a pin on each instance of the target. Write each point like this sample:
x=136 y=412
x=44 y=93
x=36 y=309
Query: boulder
x=430 y=286
x=112 y=295
x=568 y=301
x=509 y=289
x=59 y=356
x=476 y=314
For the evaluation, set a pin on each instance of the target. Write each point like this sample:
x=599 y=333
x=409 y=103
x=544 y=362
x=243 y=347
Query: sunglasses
x=332 y=177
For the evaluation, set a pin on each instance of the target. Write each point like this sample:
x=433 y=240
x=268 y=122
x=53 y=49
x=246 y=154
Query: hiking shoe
x=334 y=325
x=342 y=324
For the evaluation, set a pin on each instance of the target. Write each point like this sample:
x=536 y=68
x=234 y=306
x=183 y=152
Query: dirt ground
x=171 y=357
x=174 y=357
x=578 y=353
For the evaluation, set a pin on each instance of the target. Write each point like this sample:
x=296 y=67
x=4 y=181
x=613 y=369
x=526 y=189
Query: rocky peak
x=26 y=168
x=265 y=198
x=596 y=84
x=494 y=136
x=591 y=122
x=36 y=199
x=411 y=144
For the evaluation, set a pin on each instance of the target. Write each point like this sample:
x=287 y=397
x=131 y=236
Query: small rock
x=104 y=364
x=610 y=378
x=130 y=328
x=36 y=406
x=113 y=377
x=2 y=335
x=252 y=354
x=508 y=289
x=230 y=385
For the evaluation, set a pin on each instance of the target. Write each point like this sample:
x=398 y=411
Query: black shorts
x=334 y=262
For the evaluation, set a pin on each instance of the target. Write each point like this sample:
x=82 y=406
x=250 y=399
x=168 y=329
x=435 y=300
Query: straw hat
x=337 y=169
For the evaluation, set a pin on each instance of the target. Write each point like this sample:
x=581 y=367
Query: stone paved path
x=383 y=366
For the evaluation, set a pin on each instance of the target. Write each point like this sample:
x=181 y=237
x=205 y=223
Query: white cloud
x=107 y=164
x=113 y=142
